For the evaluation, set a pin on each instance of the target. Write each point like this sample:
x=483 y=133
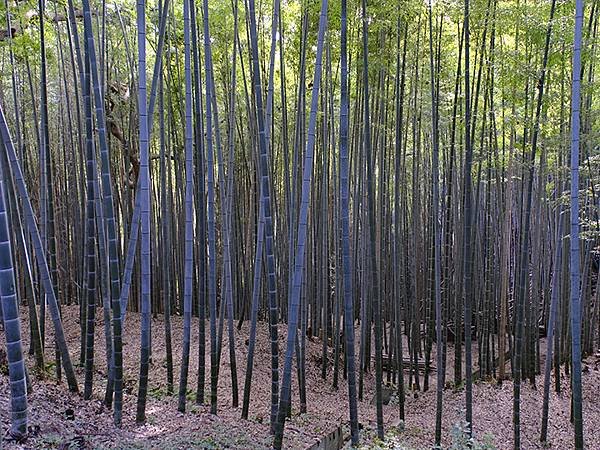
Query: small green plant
x=190 y=395
x=207 y=443
x=157 y=393
x=459 y=387
x=49 y=367
x=461 y=440
x=51 y=440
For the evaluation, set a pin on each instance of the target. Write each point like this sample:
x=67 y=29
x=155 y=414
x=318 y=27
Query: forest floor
x=62 y=420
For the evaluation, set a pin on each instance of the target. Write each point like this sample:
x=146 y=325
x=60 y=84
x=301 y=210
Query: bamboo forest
x=299 y=224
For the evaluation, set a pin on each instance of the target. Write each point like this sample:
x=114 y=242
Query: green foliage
x=161 y=393
x=397 y=436
x=462 y=441
x=50 y=440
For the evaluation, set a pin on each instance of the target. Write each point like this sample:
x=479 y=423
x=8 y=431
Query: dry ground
x=166 y=428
